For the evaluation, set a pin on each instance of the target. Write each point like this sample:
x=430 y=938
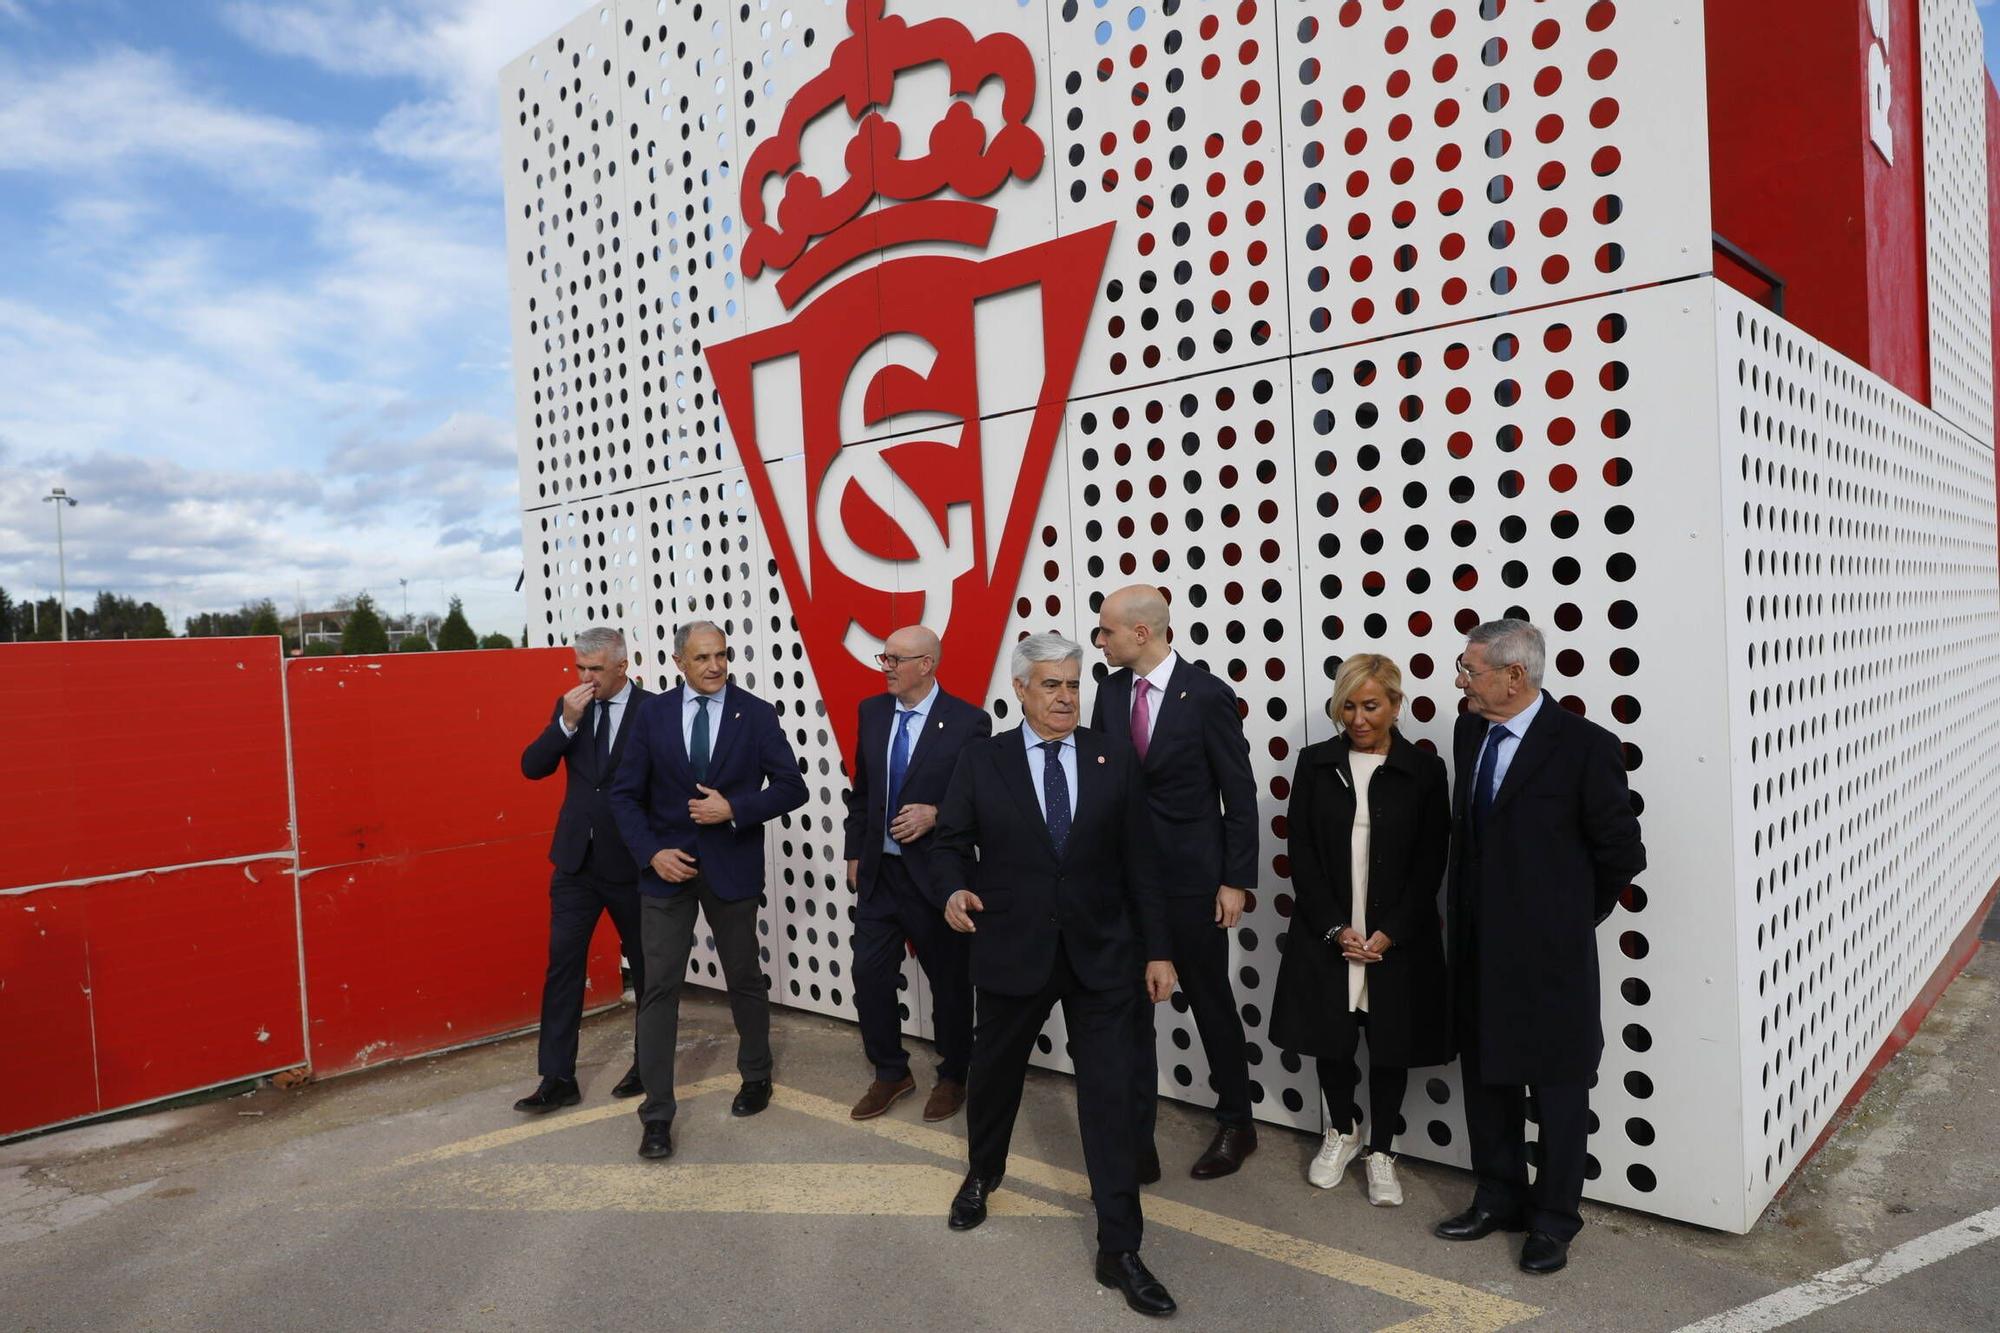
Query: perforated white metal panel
x=1451 y=159
x=1403 y=323
x=1863 y=625
x=1957 y=238
x=1546 y=464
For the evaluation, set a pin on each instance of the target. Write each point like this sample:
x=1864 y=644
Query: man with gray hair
x=593 y=872
x=1544 y=839
x=1044 y=844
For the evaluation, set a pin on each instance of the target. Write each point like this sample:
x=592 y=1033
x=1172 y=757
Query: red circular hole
x=1562 y=477
x=1603 y=112
x=1602 y=64
x=1554 y=220
x=1554 y=269
x=1546 y=33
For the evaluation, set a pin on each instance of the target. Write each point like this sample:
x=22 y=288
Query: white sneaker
x=1383 y=1189
x=1330 y=1164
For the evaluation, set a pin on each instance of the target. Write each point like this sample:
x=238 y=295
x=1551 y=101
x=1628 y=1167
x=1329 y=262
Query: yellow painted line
x=554 y=1124
x=800 y=1189
x=1448 y=1305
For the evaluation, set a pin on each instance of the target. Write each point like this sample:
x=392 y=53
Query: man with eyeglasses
x=1543 y=840
x=909 y=741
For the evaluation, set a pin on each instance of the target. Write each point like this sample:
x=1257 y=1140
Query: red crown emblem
x=895 y=476
x=960 y=155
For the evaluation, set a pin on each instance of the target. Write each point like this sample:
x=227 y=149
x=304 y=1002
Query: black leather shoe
x=1232 y=1143
x=968 y=1206
x=658 y=1140
x=553 y=1093
x=1543 y=1253
x=752 y=1097
x=1143 y=1292
x=1475 y=1223
x=1149 y=1166
x=630 y=1085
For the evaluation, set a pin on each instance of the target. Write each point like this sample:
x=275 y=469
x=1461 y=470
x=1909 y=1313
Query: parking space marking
x=1447 y=1305
x=554 y=1123
x=1859 y=1278
x=829 y=1189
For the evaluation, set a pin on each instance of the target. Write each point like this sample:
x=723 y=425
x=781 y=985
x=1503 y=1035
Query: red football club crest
x=890 y=494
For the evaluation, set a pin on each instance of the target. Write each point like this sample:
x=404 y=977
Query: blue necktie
x=899 y=763
x=602 y=741
x=1055 y=794
x=698 y=746
x=1489 y=764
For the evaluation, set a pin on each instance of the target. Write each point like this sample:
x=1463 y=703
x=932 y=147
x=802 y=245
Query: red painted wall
x=1797 y=183
x=151 y=931
x=424 y=873
x=128 y=764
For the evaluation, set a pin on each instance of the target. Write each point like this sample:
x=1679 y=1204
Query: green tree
x=414 y=643
x=363 y=632
x=496 y=641
x=152 y=623
x=455 y=635
x=321 y=648
x=264 y=619
x=6 y=617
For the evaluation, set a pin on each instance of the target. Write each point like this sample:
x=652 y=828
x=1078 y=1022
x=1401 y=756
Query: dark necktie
x=601 y=750
x=698 y=744
x=899 y=762
x=1489 y=764
x=1055 y=794
x=1142 y=716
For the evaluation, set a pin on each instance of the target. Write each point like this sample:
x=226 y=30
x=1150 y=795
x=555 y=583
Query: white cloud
x=141 y=111
x=453 y=49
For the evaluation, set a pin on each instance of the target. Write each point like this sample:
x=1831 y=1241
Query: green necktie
x=698 y=747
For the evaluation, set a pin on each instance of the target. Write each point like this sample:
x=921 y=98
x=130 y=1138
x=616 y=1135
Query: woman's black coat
x=1409 y=809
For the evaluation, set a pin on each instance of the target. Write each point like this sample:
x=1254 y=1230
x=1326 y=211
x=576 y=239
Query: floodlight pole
x=62 y=499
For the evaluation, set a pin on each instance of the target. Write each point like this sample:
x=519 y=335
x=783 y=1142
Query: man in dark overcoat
x=1544 y=839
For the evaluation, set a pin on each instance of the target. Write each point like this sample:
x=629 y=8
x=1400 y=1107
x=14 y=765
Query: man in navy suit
x=593 y=873
x=910 y=739
x=1543 y=840
x=1187 y=732
x=708 y=763
x=1061 y=905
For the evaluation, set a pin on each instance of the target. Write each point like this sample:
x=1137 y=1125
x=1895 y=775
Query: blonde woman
x=1370 y=830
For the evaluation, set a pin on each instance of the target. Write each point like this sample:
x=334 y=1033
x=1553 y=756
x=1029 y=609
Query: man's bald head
x=1132 y=628
x=1140 y=604
x=909 y=663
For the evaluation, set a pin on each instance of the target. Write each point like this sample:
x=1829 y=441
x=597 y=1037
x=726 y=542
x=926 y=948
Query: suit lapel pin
x=1183 y=694
x=1100 y=759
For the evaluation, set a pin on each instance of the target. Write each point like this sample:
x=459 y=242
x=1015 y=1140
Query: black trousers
x=576 y=901
x=1497 y=1132
x=1339 y=1075
x=1201 y=957
x=896 y=911
x=667 y=927
x=1100 y=1027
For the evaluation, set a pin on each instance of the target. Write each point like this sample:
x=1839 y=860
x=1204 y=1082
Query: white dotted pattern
x=1957 y=239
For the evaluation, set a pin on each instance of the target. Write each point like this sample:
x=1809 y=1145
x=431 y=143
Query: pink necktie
x=1142 y=716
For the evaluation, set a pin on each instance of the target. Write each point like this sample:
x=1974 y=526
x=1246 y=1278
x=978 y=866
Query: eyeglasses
x=1470 y=674
x=890 y=661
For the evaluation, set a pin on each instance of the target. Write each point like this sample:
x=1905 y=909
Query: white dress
x=1364 y=767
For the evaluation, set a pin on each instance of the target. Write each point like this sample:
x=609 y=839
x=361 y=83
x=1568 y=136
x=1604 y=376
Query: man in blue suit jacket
x=594 y=873
x=707 y=764
x=910 y=739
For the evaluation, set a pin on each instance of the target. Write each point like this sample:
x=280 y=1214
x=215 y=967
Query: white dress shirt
x=688 y=712
x=616 y=715
x=914 y=730
x=1513 y=729
x=1157 y=678
x=1066 y=756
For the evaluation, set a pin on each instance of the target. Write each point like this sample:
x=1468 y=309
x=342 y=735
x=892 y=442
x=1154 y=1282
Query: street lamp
x=62 y=500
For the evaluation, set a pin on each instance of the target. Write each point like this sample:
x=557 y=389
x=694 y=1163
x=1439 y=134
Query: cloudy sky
x=253 y=309
x=253 y=303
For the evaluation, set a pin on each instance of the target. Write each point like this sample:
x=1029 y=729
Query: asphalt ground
x=413 y=1197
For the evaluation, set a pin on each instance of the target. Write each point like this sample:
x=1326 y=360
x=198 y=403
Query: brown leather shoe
x=1232 y=1143
x=880 y=1097
x=945 y=1099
